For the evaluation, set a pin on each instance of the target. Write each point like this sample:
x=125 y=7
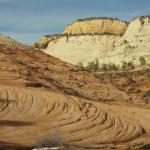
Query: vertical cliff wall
x=82 y=48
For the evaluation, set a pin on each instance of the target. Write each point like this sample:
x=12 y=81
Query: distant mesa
x=97 y=25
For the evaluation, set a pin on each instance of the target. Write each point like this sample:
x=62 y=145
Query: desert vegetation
x=95 y=66
x=125 y=66
x=97 y=18
x=142 y=61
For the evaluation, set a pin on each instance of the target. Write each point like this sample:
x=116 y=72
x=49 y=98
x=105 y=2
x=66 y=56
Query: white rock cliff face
x=106 y=48
x=82 y=48
x=134 y=43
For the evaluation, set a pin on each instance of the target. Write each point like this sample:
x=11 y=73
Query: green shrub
x=104 y=67
x=127 y=66
x=142 y=60
x=130 y=65
x=125 y=41
x=113 y=67
x=109 y=67
x=97 y=64
x=93 y=66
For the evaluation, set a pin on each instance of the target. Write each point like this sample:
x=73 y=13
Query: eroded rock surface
x=41 y=95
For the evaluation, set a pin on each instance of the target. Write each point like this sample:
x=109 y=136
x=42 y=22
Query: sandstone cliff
x=134 y=43
x=104 y=42
x=97 y=25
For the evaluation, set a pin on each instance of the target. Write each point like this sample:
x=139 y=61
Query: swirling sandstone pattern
x=29 y=115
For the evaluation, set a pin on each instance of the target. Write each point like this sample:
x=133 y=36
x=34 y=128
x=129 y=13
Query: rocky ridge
x=97 y=25
x=109 y=41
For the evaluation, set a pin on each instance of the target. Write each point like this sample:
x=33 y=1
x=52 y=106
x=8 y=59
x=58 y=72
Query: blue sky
x=27 y=20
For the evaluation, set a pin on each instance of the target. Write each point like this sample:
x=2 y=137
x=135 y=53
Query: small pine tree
x=130 y=65
x=114 y=67
x=96 y=65
x=110 y=67
x=104 y=67
x=90 y=66
x=93 y=66
x=124 y=65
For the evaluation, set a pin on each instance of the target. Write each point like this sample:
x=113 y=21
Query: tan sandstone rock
x=97 y=25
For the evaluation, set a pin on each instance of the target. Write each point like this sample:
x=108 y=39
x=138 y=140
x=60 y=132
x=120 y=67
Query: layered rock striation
x=97 y=25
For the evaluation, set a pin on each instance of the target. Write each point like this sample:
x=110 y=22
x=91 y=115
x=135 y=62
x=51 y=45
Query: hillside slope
x=41 y=96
